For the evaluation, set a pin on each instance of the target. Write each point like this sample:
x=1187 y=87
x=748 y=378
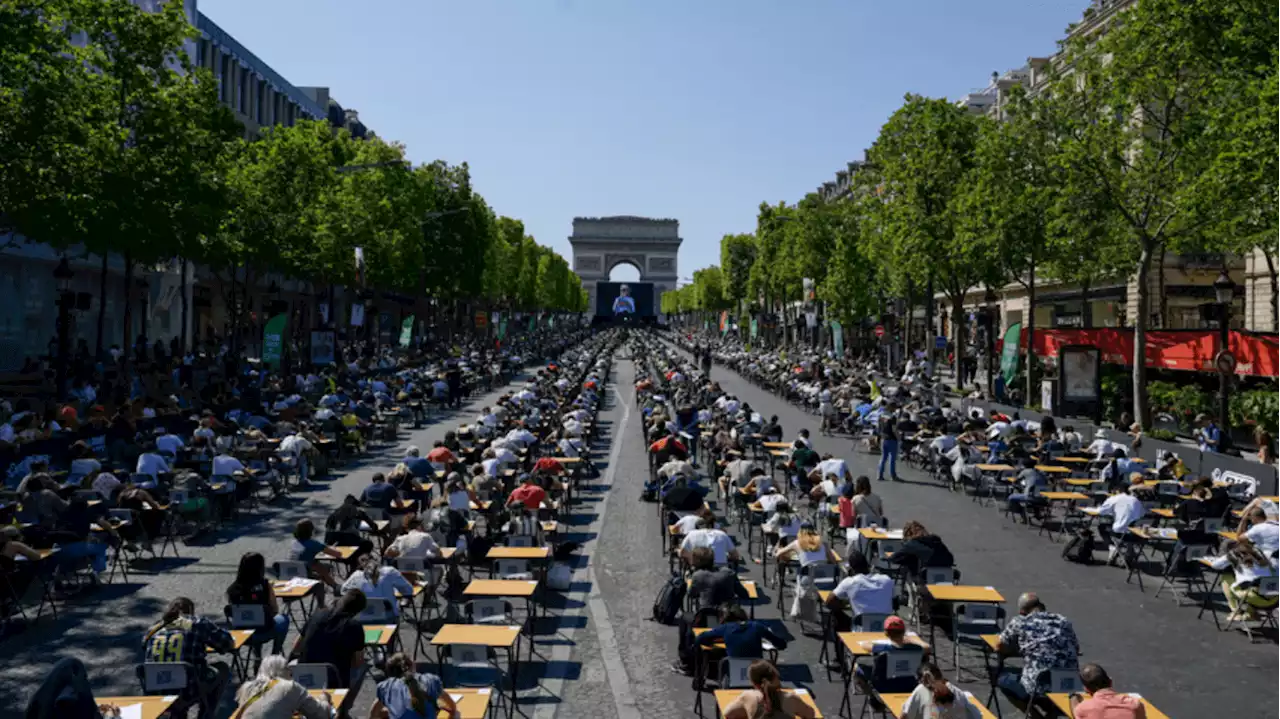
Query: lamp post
x=1224 y=291
x=990 y=299
x=144 y=289
x=62 y=275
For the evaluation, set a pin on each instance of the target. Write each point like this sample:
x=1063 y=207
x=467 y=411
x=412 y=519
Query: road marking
x=615 y=671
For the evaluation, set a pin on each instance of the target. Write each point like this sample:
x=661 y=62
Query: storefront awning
x=1257 y=355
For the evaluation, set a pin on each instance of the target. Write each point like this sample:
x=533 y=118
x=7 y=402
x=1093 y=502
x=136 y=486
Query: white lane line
x=615 y=672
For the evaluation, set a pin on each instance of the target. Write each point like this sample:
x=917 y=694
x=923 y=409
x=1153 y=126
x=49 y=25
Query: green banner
x=1009 y=355
x=837 y=337
x=533 y=323
x=552 y=322
x=273 y=340
x=755 y=328
x=502 y=328
x=406 y=331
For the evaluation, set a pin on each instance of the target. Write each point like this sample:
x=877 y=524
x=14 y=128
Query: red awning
x=1194 y=350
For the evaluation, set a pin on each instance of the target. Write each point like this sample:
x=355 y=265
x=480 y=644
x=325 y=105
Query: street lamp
x=990 y=300
x=62 y=275
x=1224 y=291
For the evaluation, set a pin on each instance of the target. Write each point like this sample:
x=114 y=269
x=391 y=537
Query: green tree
x=737 y=255
x=922 y=155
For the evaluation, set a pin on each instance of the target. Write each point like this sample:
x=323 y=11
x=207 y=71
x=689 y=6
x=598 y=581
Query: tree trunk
x=908 y=321
x=1086 y=308
x=957 y=328
x=1275 y=290
x=102 y=303
x=126 y=339
x=1163 y=321
x=186 y=304
x=1031 y=332
x=1140 y=406
x=928 y=321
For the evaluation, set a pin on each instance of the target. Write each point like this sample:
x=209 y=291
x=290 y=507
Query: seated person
x=379 y=582
x=343 y=528
x=414 y=543
x=709 y=586
x=743 y=638
x=251 y=586
x=1102 y=701
x=528 y=494
x=895 y=637
x=765 y=698
x=181 y=636
x=862 y=591
x=706 y=535
x=683 y=499
x=306 y=548
x=936 y=698
x=1242 y=566
x=379 y=494
x=1030 y=483
x=1124 y=509
x=921 y=549
x=334 y=635
x=1044 y=640
x=274 y=693
x=406 y=694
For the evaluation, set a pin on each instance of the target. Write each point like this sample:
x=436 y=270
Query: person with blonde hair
x=273 y=694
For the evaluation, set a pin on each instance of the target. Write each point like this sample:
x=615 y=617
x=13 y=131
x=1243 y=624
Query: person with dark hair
x=181 y=636
x=743 y=638
x=936 y=698
x=921 y=549
x=65 y=694
x=252 y=587
x=1102 y=701
x=306 y=548
x=864 y=593
x=1031 y=483
x=377 y=581
x=406 y=694
x=710 y=586
x=334 y=635
x=766 y=699
x=342 y=528
x=379 y=493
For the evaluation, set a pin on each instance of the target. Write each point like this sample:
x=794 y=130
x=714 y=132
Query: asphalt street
x=598 y=655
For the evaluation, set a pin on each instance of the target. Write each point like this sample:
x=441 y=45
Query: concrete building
x=260 y=97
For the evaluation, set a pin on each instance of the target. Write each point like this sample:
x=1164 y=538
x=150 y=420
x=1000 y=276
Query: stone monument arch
x=602 y=243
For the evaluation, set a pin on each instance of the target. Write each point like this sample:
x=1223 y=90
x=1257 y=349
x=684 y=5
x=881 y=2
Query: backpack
x=670 y=598
x=1080 y=548
x=478 y=550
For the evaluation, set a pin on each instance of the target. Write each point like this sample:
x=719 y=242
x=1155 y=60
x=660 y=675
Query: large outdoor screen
x=618 y=298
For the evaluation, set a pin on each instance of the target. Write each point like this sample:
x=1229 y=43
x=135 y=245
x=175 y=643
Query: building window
x=242 y=102
x=224 y=77
x=261 y=102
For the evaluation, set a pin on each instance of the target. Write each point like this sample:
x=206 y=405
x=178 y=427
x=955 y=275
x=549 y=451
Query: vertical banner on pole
x=837 y=337
x=406 y=331
x=1009 y=354
x=273 y=340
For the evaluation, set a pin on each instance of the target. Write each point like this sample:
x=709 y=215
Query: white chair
x=520 y=540
x=166 y=677
x=733 y=673
x=247 y=616
x=377 y=610
x=939 y=575
x=287 y=569
x=411 y=564
x=869 y=622
x=490 y=611
x=313 y=676
x=512 y=569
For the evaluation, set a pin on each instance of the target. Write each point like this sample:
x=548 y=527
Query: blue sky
x=692 y=109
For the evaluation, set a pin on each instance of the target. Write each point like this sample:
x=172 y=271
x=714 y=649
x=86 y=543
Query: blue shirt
x=379 y=495
x=395 y=696
x=1208 y=434
x=742 y=640
x=419 y=467
x=305 y=550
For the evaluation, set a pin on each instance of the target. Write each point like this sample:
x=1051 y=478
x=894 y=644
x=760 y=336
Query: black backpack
x=670 y=598
x=1080 y=548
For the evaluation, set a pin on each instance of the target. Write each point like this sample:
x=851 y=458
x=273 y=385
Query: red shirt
x=530 y=495
x=441 y=455
x=547 y=465
x=666 y=443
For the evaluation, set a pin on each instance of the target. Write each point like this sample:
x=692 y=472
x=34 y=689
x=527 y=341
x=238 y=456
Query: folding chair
x=893 y=672
x=472 y=666
x=511 y=569
x=1184 y=561
x=1268 y=590
x=1061 y=681
x=247 y=616
x=314 y=676
x=169 y=678
x=968 y=623
x=489 y=611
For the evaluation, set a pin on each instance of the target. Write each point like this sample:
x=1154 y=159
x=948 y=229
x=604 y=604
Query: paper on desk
x=299 y=583
x=892 y=533
x=131 y=711
x=455 y=697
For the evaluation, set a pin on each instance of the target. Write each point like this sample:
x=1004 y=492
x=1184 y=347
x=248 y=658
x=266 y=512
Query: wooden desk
x=1064 y=496
x=994 y=468
x=859 y=644
x=1161 y=512
x=1080 y=482
x=895 y=702
x=152 y=707
x=964 y=593
x=880 y=533
x=337 y=695
x=501 y=588
x=1072 y=460
x=750 y=586
x=1050 y=469
x=497 y=636
x=534 y=553
x=567 y=460
x=1229 y=536
x=295 y=592
x=1063 y=703
x=992 y=641
x=725 y=697
x=472 y=703
x=403 y=504
x=777 y=445
x=344 y=553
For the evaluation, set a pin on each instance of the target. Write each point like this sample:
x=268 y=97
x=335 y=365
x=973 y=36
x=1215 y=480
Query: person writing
x=406 y=694
x=743 y=638
x=936 y=698
x=1102 y=702
x=274 y=693
x=765 y=699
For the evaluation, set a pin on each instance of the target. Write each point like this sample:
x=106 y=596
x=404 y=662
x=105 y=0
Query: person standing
x=889 y=444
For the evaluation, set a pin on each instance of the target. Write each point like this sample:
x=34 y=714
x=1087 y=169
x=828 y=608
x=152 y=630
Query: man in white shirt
x=1101 y=447
x=716 y=540
x=225 y=464
x=830 y=465
x=503 y=454
x=488 y=418
x=1124 y=509
x=676 y=466
x=105 y=484
x=770 y=499
x=1263 y=532
x=865 y=592
x=521 y=436
x=170 y=443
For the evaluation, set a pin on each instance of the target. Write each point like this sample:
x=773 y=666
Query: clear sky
x=696 y=110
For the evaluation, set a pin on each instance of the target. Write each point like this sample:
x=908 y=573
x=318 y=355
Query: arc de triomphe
x=602 y=243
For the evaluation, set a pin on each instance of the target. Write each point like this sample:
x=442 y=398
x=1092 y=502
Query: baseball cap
x=894 y=623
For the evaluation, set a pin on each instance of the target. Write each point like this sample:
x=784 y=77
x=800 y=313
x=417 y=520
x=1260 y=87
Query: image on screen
x=614 y=299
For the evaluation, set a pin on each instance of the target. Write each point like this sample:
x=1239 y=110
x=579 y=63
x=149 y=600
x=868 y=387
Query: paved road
x=596 y=654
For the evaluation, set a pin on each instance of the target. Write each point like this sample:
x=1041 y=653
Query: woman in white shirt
x=84 y=464
x=376 y=580
x=785 y=523
x=1242 y=566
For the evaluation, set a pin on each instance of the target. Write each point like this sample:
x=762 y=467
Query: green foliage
x=1182 y=401
x=737 y=255
x=1260 y=407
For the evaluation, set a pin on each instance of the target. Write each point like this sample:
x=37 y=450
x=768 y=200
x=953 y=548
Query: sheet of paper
x=131 y=711
x=455 y=697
